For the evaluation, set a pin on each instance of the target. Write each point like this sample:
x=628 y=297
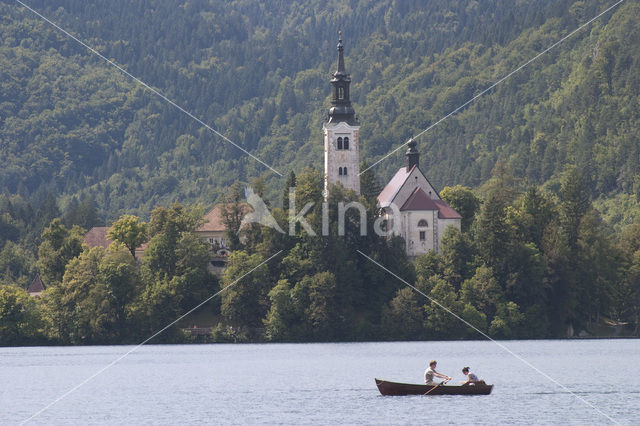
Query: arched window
x=339 y=143
x=422 y=223
x=345 y=171
x=346 y=143
x=340 y=93
x=340 y=171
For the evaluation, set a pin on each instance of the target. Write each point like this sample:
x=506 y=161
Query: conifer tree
x=291 y=183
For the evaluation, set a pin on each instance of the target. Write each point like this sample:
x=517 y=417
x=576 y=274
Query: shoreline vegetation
x=189 y=340
x=525 y=265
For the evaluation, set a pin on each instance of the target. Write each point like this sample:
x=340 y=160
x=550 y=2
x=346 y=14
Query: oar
x=429 y=391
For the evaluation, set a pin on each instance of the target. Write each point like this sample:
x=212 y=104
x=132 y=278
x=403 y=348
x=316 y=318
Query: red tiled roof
x=213 y=218
x=419 y=200
x=391 y=190
x=36 y=285
x=446 y=211
x=97 y=237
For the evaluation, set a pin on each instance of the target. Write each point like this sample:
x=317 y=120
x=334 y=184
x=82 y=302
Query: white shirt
x=428 y=375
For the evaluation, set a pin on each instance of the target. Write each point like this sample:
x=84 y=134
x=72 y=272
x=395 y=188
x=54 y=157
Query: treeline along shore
x=526 y=264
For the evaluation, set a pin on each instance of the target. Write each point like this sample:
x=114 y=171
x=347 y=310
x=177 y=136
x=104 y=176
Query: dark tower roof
x=412 y=154
x=36 y=285
x=341 y=109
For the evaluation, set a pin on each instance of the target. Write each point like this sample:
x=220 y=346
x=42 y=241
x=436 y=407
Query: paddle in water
x=439 y=384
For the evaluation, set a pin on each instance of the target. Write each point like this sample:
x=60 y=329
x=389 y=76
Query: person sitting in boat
x=472 y=379
x=431 y=373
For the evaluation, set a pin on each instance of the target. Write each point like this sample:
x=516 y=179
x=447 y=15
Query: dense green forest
x=82 y=142
x=71 y=125
x=524 y=265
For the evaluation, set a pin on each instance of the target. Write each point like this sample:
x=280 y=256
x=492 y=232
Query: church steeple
x=341 y=109
x=412 y=154
x=341 y=133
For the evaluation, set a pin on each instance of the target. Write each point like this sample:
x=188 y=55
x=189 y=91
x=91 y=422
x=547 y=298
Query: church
x=410 y=205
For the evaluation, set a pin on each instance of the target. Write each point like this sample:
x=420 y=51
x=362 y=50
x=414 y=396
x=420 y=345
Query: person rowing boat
x=431 y=373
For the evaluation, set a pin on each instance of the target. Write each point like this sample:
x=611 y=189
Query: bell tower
x=341 y=133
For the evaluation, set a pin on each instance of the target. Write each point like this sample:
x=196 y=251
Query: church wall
x=411 y=231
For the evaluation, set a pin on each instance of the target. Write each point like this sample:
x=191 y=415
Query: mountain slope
x=70 y=125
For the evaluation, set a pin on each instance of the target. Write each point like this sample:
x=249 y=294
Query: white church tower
x=341 y=139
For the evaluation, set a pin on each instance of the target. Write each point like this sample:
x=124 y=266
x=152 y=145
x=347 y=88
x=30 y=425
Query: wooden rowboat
x=392 y=388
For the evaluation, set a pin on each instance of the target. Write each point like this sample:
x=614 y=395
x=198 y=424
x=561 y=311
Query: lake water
x=320 y=383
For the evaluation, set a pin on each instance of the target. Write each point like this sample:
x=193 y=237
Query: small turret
x=412 y=154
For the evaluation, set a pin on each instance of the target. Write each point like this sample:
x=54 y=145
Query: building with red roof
x=413 y=209
x=98 y=237
x=211 y=232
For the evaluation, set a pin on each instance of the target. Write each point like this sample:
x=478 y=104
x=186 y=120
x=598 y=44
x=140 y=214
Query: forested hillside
x=71 y=125
x=545 y=167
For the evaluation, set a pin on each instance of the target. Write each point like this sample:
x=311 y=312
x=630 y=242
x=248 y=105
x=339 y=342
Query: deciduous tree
x=130 y=231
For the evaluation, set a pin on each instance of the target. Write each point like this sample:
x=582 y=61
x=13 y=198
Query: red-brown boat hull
x=398 y=389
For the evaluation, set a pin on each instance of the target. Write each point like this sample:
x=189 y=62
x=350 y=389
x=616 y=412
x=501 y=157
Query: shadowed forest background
x=545 y=168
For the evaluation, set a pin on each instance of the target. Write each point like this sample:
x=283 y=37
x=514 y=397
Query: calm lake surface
x=320 y=383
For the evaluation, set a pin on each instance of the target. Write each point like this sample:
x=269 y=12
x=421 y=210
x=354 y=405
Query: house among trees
x=36 y=287
x=98 y=237
x=213 y=233
x=213 y=230
x=412 y=207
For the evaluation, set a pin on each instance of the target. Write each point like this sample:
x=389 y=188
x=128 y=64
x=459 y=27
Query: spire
x=340 y=55
x=341 y=109
x=412 y=154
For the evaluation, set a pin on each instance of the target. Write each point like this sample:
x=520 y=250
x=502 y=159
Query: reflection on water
x=319 y=383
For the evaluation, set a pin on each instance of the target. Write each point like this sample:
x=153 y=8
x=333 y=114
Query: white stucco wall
x=411 y=231
x=207 y=236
